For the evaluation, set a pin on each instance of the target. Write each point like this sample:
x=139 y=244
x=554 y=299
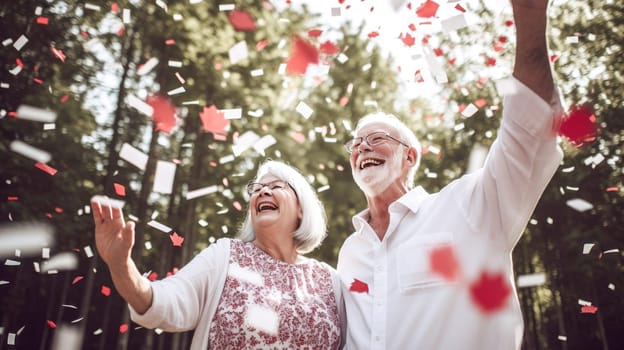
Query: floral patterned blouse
x=270 y=304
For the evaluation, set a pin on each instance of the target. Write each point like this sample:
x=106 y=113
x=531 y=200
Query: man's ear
x=412 y=156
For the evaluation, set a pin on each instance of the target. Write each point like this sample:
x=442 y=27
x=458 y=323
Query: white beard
x=373 y=180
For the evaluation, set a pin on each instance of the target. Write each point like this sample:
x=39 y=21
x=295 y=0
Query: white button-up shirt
x=395 y=301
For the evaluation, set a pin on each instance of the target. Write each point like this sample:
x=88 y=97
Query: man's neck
x=379 y=217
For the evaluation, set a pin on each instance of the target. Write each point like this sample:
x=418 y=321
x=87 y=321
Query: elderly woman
x=257 y=291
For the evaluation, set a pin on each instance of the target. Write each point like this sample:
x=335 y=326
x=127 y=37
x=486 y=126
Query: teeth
x=368 y=162
x=266 y=206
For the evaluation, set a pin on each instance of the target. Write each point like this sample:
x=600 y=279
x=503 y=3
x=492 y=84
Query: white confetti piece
x=16 y=70
x=20 y=42
x=435 y=67
x=257 y=72
x=611 y=251
x=611 y=286
x=5 y=85
x=262 y=318
x=245 y=275
x=49 y=126
x=27 y=112
x=7 y=42
x=175 y=64
x=133 y=156
x=201 y=192
x=11 y=338
x=176 y=91
x=303 y=109
x=28 y=238
x=92 y=7
x=469 y=111
x=140 y=105
x=579 y=204
x=587 y=247
x=265 y=142
x=233 y=113
x=342 y=58
x=256 y=114
x=111 y=202
x=98 y=331
x=202 y=223
x=126 y=16
x=147 y=66
x=88 y=251
x=572 y=39
x=238 y=52
x=244 y=142
x=335 y=11
x=10 y=262
x=164 y=176
x=157 y=225
x=536 y=279
x=322 y=189
x=3 y=282
x=45 y=253
x=29 y=151
x=226 y=7
x=227 y=159
x=562 y=338
x=65 y=261
x=454 y=23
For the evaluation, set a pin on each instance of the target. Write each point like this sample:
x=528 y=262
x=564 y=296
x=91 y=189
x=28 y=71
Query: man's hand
x=114 y=238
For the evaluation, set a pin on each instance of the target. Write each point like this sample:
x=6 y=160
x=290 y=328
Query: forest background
x=171 y=105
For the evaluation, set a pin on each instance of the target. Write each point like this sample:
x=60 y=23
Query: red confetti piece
x=114 y=7
x=19 y=62
x=176 y=239
x=38 y=81
x=58 y=210
x=242 y=20
x=343 y=101
x=123 y=328
x=579 y=126
x=427 y=9
x=152 y=276
x=214 y=121
x=589 y=309
x=77 y=279
x=12 y=198
x=51 y=324
x=373 y=34
x=237 y=205
x=509 y=23
x=329 y=48
x=459 y=8
x=170 y=42
x=42 y=20
x=412 y=27
x=438 y=52
x=106 y=291
x=490 y=61
x=58 y=54
x=64 y=99
x=613 y=189
x=262 y=44
x=442 y=261
x=418 y=76
x=298 y=136
x=408 y=40
x=314 y=33
x=120 y=189
x=302 y=55
x=121 y=31
x=554 y=58
x=490 y=292
x=48 y=169
x=358 y=286
x=164 y=114
x=480 y=103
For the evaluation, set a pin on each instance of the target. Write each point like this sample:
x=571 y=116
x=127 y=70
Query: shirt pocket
x=413 y=262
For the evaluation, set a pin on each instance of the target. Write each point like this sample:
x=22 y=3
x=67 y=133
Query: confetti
x=587 y=247
x=329 y=48
x=201 y=192
x=176 y=239
x=358 y=286
x=62 y=261
x=265 y=142
x=123 y=328
x=532 y=280
x=133 y=156
x=157 y=225
x=29 y=238
x=579 y=204
x=214 y=121
x=262 y=319
x=106 y=201
x=106 y=291
x=27 y=112
x=579 y=126
x=46 y=168
x=442 y=261
x=120 y=189
x=303 y=109
x=589 y=309
x=490 y=292
x=140 y=105
x=302 y=55
x=469 y=111
x=163 y=113
x=242 y=21
x=454 y=23
x=233 y=113
x=244 y=142
x=20 y=42
x=428 y=9
x=147 y=66
x=238 y=52
x=77 y=279
x=164 y=176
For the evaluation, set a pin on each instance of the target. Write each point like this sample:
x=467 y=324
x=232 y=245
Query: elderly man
x=434 y=271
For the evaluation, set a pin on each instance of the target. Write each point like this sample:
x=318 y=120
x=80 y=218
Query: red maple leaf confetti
x=164 y=114
x=123 y=328
x=490 y=292
x=579 y=126
x=314 y=33
x=51 y=324
x=358 y=286
x=373 y=34
x=242 y=20
x=408 y=40
x=152 y=276
x=176 y=239
x=442 y=260
x=120 y=189
x=302 y=55
x=329 y=48
x=214 y=121
x=589 y=309
x=106 y=291
x=427 y=9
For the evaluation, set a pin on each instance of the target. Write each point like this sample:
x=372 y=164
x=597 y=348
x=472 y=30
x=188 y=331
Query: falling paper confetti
x=29 y=238
x=35 y=114
x=164 y=176
x=302 y=55
x=133 y=156
x=579 y=127
x=536 y=279
x=579 y=204
x=176 y=239
x=242 y=20
x=442 y=261
x=214 y=121
x=358 y=286
x=490 y=292
x=164 y=113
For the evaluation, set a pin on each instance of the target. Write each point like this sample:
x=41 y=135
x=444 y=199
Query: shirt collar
x=411 y=200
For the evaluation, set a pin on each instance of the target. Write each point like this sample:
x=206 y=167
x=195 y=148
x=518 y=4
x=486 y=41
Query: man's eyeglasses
x=373 y=139
x=256 y=187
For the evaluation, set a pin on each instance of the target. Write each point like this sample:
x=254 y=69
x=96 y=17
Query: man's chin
x=371 y=188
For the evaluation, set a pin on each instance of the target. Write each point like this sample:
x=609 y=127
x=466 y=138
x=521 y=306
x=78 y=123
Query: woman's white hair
x=405 y=134
x=312 y=228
